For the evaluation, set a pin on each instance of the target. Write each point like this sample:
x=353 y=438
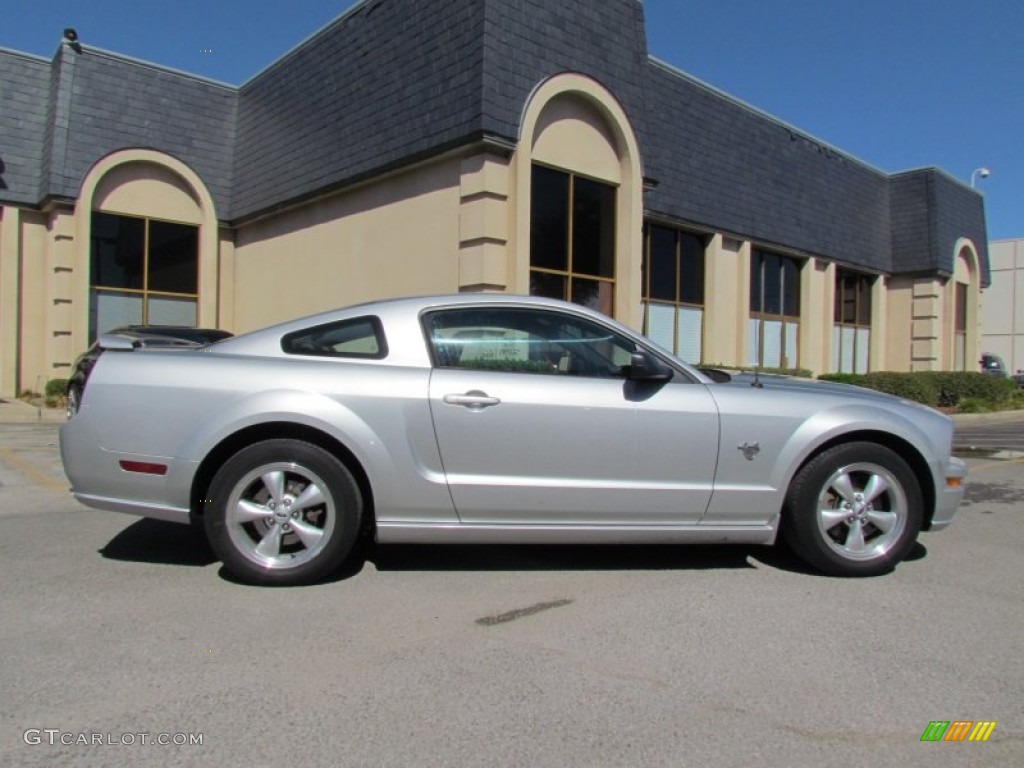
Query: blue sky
x=896 y=83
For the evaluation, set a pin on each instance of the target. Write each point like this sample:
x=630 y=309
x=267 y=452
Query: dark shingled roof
x=724 y=165
x=930 y=213
x=387 y=82
x=86 y=105
x=24 y=96
x=529 y=41
x=392 y=81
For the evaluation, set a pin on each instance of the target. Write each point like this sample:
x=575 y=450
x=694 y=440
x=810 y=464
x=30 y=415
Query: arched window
x=579 y=193
x=144 y=271
x=963 y=302
x=572 y=239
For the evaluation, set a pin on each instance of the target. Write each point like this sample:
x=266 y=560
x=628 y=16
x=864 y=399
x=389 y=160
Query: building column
x=10 y=298
x=61 y=251
x=727 y=301
x=817 y=299
x=926 y=353
x=484 y=224
x=879 y=324
x=226 y=280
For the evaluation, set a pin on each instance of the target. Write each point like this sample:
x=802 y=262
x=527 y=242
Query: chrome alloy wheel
x=862 y=511
x=280 y=515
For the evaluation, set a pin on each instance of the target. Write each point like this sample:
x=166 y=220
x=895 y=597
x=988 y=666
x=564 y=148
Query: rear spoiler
x=116 y=341
x=126 y=343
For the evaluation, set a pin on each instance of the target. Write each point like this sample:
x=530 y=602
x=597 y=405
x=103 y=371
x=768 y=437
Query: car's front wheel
x=853 y=510
x=283 y=512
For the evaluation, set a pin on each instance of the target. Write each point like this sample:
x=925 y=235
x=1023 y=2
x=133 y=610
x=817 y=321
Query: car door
x=537 y=424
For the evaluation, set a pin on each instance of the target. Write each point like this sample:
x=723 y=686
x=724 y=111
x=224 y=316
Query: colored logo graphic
x=958 y=730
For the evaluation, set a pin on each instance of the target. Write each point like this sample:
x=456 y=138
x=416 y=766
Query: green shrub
x=842 y=378
x=955 y=386
x=974 y=405
x=960 y=389
x=56 y=387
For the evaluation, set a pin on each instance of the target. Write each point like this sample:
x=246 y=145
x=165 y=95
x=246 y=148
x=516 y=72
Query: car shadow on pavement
x=557 y=557
x=161 y=543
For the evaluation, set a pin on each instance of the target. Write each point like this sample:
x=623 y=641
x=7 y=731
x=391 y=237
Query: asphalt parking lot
x=116 y=627
x=991 y=432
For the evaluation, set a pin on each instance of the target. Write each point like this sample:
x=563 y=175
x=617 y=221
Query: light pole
x=982 y=172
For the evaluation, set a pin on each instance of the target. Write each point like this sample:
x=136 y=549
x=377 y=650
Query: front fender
x=827 y=426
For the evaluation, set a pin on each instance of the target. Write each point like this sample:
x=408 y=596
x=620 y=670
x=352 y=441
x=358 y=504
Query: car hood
x=818 y=387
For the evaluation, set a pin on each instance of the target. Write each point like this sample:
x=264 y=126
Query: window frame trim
x=680 y=374
x=569 y=273
x=378 y=332
x=145 y=291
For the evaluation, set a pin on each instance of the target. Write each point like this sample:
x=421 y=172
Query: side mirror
x=646 y=367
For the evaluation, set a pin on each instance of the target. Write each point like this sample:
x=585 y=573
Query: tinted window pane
x=109 y=309
x=358 y=337
x=173 y=257
x=756 y=280
x=864 y=301
x=790 y=286
x=772 y=285
x=961 y=308
x=837 y=304
x=551 y=286
x=848 y=294
x=549 y=219
x=118 y=243
x=171 y=310
x=526 y=341
x=593 y=228
x=595 y=294
x=663 y=273
x=691 y=269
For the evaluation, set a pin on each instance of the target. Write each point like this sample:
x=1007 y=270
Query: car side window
x=520 y=340
x=359 y=337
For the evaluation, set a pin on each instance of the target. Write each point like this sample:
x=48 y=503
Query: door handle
x=474 y=400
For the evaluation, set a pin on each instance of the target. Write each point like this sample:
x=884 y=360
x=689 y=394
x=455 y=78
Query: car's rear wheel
x=283 y=512
x=853 y=510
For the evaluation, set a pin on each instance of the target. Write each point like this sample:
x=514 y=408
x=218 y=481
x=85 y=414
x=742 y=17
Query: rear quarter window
x=359 y=337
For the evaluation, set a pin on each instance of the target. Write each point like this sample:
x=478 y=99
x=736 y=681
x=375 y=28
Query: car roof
x=402 y=314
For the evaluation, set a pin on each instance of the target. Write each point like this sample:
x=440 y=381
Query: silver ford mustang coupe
x=496 y=418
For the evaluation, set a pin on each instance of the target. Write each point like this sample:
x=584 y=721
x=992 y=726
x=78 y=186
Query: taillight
x=144 y=467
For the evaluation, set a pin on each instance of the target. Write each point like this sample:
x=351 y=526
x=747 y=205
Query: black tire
x=283 y=512
x=853 y=510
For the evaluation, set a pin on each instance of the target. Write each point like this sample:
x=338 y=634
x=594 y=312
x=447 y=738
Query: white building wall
x=1002 y=308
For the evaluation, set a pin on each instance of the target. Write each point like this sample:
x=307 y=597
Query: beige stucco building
x=502 y=156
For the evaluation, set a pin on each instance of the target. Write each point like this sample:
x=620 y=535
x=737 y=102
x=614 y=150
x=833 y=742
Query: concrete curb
x=20 y=412
x=1003 y=417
